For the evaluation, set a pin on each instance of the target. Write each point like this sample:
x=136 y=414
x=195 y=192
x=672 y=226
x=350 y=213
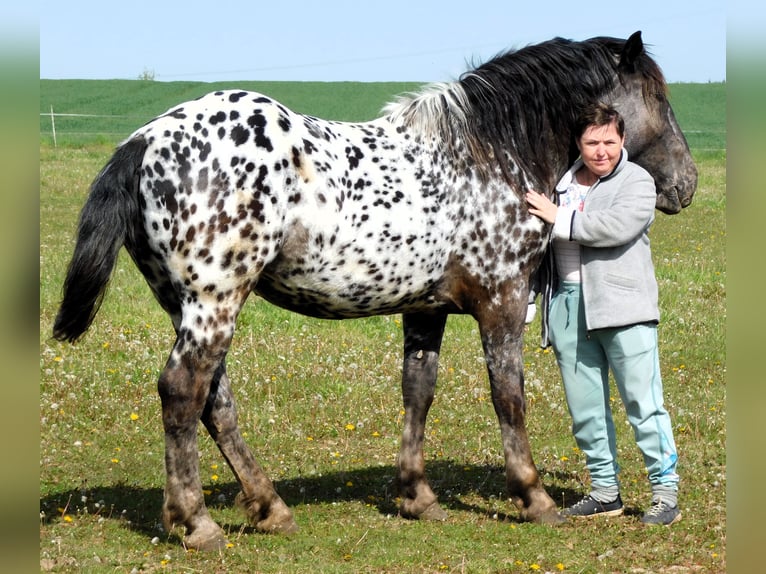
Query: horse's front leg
x=183 y=387
x=264 y=508
x=422 y=341
x=502 y=338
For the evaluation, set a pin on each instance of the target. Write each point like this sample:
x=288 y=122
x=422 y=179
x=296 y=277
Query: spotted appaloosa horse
x=419 y=212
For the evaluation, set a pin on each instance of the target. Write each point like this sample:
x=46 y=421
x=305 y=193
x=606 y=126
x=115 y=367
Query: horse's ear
x=634 y=47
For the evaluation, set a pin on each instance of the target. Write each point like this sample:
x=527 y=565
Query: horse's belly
x=338 y=288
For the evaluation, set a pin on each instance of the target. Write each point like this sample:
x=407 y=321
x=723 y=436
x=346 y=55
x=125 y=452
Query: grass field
x=319 y=403
x=105 y=111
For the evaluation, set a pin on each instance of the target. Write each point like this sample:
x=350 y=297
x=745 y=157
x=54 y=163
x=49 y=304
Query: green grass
x=701 y=113
x=320 y=405
x=123 y=105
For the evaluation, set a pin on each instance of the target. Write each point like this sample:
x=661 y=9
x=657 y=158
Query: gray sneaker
x=660 y=512
x=589 y=506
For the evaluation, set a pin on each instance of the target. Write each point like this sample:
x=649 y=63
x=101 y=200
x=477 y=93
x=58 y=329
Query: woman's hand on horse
x=541 y=206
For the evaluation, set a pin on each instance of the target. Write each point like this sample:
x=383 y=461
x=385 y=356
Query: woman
x=604 y=314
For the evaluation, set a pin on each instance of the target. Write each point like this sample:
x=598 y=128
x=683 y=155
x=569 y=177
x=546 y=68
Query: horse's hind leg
x=183 y=387
x=422 y=341
x=263 y=506
x=501 y=336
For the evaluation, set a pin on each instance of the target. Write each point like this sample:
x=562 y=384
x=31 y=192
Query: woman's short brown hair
x=599 y=114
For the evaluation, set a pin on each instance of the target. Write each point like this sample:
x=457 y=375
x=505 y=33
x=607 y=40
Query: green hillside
x=124 y=105
x=105 y=111
x=701 y=112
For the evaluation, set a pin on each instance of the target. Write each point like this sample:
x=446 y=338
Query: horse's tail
x=107 y=220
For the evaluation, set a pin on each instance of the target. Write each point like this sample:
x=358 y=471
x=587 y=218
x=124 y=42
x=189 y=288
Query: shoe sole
x=677 y=518
x=617 y=512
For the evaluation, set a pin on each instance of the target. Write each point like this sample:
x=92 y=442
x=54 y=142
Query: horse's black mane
x=512 y=102
x=519 y=96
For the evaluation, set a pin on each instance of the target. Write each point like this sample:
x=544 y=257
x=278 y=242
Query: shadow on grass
x=460 y=487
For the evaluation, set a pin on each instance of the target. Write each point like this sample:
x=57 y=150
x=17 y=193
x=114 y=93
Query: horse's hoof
x=433 y=512
x=277 y=527
x=552 y=518
x=205 y=543
x=279 y=521
x=410 y=510
x=276 y=518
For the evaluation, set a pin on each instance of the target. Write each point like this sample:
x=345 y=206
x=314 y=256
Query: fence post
x=53 y=128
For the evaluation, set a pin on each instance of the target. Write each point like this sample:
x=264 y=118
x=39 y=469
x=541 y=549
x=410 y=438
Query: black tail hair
x=107 y=218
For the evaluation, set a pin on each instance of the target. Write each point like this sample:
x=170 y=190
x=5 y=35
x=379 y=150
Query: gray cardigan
x=618 y=283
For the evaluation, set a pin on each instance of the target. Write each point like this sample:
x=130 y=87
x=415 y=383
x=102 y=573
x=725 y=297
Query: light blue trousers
x=585 y=359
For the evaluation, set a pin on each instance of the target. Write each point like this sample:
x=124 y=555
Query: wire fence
x=82 y=128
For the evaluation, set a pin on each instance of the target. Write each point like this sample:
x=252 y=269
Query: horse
x=418 y=212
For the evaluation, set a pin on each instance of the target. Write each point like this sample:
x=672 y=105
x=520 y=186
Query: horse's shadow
x=460 y=487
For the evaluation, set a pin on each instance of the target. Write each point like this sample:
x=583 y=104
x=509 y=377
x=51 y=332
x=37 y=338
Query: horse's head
x=652 y=135
x=515 y=113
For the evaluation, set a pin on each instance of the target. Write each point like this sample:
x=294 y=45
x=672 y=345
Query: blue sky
x=356 y=40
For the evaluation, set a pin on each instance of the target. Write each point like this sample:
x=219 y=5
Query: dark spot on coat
x=240 y=134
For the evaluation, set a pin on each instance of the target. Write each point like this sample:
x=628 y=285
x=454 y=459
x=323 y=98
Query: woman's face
x=600 y=148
